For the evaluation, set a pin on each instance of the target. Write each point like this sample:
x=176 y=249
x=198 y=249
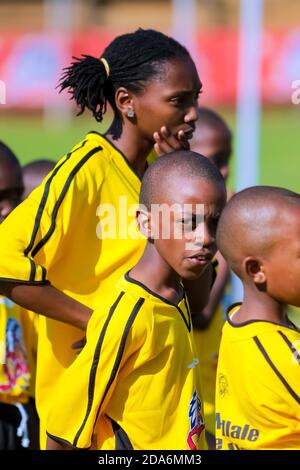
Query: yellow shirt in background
x=258 y=387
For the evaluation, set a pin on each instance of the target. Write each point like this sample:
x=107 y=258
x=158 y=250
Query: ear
x=255 y=270
x=124 y=101
x=143 y=218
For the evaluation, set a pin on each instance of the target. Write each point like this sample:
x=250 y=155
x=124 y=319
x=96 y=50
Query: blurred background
x=38 y=38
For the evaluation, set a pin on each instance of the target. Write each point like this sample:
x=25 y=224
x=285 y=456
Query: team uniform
x=208 y=342
x=14 y=378
x=62 y=233
x=258 y=386
x=135 y=385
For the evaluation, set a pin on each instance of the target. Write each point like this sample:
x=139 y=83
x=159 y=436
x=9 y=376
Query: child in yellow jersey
x=14 y=373
x=56 y=257
x=258 y=377
x=136 y=383
x=213 y=139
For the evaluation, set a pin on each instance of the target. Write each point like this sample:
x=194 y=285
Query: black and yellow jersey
x=72 y=231
x=258 y=386
x=135 y=385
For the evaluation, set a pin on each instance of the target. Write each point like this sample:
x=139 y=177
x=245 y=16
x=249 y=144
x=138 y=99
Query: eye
x=177 y=100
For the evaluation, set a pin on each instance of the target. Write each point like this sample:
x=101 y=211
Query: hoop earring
x=130 y=113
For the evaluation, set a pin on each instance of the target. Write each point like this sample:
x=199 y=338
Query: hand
x=165 y=142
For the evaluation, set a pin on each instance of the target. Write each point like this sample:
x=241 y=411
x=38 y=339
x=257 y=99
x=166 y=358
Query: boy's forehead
x=10 y=175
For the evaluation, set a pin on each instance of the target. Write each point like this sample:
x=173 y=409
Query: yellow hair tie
x=106 y=66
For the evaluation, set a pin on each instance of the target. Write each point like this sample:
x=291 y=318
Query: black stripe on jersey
x=290 y=345
x=44 y=200
x=274 y=368
x=183 y=296
x=32 y=270
x=121 y=438
x=59 y=201
x=189 y=322
x=61 y=441
x=128 y=325
x=95 y=365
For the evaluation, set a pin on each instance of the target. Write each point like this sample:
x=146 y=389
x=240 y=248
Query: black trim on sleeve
x=59 y=201
x=290 y=345
x=43 y=204
x=94 y=366
x=27 y=283
x=121 y=438
x=64 y=442
x=32 y=270
x=275 y=370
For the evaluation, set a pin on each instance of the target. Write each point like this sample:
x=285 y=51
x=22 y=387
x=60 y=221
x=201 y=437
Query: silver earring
x=130 y=113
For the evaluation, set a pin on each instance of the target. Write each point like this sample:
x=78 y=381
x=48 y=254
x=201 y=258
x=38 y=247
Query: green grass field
x=32 y=138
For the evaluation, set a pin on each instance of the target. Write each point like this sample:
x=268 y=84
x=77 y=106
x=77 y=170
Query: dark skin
x=212 y=141
x=271 y=275
x=166 y=261
x=11 y=186
x=165 y=113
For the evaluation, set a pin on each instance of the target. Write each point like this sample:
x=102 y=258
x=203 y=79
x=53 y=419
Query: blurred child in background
x=213 y=139
x=14 y=371
x=34 y=173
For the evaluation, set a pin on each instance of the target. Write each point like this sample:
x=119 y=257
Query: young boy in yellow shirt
x=258 y=376
x=136 y=383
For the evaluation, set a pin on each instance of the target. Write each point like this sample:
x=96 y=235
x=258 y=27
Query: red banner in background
x=31 y=64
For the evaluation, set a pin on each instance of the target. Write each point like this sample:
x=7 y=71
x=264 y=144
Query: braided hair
x=130 y=60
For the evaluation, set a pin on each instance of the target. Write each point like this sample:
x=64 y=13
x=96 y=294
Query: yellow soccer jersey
x=30 y=322
x=135 y=385
x=63 y=233
x=258 y=387
x=14 y=373
x=208 y=342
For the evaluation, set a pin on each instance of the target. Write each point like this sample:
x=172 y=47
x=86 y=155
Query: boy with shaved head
x=135 y=385
x=258 y=377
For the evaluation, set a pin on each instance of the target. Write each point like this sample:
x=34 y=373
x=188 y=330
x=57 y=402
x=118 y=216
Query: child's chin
x=191 y=275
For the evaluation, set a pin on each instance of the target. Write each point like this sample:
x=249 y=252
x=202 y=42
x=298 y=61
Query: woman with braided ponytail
x=55 y=255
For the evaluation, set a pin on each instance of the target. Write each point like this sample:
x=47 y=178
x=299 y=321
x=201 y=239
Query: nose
x=209 y=238
x=192 y=113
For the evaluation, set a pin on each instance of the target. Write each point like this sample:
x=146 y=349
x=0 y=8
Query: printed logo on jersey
x=223 y=385
x=196 y=422
x=194 y=363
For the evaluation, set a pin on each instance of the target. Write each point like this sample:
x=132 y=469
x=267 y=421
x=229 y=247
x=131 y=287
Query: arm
x=36 y=234
x=86 y=388
x=54 y=445
x=49 y=301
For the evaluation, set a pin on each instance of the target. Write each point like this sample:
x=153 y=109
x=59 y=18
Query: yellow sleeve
x=32 y=236
x=88 y=384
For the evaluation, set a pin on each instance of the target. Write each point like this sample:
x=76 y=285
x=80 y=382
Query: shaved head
x=34 y=173
x=173 y=171
x=252 y=223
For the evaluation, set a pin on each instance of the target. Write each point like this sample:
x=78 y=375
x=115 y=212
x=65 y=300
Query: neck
x=130 y=143
x=258 y=305
x=157 y=275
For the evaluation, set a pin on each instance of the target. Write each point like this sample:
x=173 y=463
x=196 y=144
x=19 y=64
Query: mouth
x=188 y=133
x=200 y=258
